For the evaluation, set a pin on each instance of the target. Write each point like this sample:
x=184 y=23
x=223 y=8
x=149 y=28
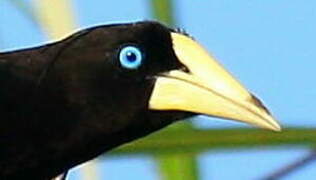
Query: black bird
x=67 y=102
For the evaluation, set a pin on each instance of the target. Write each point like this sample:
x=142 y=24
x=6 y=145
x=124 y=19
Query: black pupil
x=131 y=56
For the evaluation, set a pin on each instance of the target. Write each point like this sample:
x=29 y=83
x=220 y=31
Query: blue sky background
x=269 y=45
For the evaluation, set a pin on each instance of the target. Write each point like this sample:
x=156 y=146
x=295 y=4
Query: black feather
x=67 y=102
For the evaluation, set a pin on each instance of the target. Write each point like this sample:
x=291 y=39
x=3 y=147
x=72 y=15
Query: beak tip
x=270 y=122
x=274 y=126
x=277 y=129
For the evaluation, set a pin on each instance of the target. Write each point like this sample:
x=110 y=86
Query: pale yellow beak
x=207 y=89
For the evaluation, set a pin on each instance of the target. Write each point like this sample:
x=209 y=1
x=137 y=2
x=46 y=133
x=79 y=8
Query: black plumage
x=67 y=102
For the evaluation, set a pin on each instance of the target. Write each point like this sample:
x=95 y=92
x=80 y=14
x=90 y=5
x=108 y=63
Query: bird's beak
x=206 y=89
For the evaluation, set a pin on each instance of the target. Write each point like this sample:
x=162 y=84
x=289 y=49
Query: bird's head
x=132 y=68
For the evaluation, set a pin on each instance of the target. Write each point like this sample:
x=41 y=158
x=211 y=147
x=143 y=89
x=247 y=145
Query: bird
x=67 y=102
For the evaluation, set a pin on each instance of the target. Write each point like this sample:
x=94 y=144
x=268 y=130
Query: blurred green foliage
x=199 y=140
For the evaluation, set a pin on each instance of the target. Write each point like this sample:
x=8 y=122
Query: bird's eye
x=130 y=57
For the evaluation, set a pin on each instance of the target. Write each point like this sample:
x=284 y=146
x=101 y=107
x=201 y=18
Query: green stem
x=162 y=11
x=195 y=141
x=180 y=166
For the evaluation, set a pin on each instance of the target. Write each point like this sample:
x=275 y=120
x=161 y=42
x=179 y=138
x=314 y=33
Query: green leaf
x=199 y=140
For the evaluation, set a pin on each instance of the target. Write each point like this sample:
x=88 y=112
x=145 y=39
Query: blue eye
x=130 y=57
